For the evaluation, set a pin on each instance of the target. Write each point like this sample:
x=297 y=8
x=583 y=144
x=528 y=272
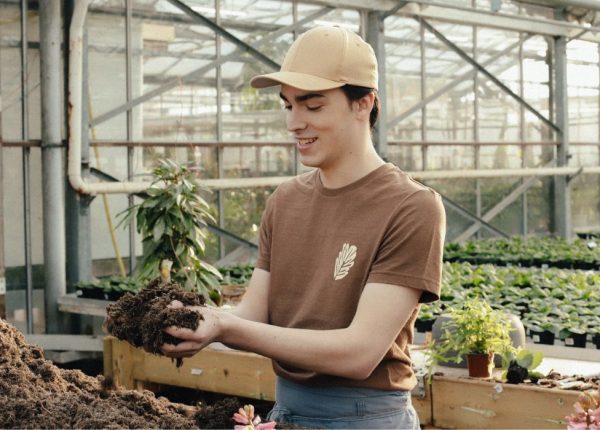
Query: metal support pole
x=376 y=38
x=220 y=149
x=2 y=264
x=130 y=150
x=477 y=148
x=79 y=253
x=25 y=165
x=562 y=200
x=52 y=163
x=522 y=137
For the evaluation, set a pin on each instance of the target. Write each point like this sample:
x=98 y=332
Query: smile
x=303 y=142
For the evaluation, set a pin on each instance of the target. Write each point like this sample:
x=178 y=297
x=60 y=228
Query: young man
x=347 y=251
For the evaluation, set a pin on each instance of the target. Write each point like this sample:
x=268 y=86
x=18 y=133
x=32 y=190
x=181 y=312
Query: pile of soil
x=140 y=318
x=36 y=394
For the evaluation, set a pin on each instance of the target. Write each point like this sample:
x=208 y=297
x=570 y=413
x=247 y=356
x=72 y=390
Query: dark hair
x=354 y=92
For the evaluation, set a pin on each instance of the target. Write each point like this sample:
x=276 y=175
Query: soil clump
x=140 y=318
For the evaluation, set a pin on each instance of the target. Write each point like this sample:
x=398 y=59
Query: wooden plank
x=228 y=372
x=123 y=361
x=78 y=305
x=476 y=404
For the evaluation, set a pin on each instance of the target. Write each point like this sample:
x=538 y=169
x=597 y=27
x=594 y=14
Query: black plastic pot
x=423 y=326
x=596 y=340
x=115 y=295
x=576 y=340
x=543 y=337
x=93 y=293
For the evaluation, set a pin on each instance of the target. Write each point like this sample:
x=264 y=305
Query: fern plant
x=172 y=221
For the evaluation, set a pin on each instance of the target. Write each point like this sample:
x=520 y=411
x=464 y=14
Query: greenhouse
x=300 y=214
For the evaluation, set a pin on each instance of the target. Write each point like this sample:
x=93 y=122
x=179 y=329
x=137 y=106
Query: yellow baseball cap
x=324 y=58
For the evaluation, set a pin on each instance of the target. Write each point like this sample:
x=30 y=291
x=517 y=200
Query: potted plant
x=574 y=333
x=476 y=331
x=172 y=221
x=518 y=365
x=542 y=329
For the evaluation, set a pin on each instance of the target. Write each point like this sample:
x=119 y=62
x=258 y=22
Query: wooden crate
x=477 y=404
x=221 y=371
x=214 y=369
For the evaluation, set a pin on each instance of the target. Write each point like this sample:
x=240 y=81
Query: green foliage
x=119 y=284
x=523 y=357
x=172 y=221
x=546 y=299
x=529 y=251
x=473 y=328
x=239 y=274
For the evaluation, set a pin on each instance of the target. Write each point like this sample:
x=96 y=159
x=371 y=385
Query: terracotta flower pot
x=480 y=365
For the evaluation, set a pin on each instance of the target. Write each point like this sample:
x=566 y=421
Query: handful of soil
x=141 y=318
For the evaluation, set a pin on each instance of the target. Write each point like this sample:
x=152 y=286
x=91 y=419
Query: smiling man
x=347 y=252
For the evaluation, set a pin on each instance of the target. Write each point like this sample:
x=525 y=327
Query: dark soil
x=36 y=394
x=140 y=318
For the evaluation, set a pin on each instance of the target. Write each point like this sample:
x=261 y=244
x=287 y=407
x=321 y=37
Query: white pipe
x=271 y=181
x=75 y=109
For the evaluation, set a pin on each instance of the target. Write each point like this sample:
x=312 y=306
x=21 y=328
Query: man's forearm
x=334 y=352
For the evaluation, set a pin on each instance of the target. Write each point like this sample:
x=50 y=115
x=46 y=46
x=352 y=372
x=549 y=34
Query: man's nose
x=295 y=121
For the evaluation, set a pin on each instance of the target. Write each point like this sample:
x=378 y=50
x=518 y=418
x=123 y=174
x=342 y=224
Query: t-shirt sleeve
x=264 y=245
x=411 y=250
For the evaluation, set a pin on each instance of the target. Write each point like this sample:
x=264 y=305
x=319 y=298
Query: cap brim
x=301 y=81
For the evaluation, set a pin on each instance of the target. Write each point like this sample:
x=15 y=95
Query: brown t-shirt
x=322 y=246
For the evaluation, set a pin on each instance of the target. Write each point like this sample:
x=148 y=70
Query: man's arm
x=351 y=352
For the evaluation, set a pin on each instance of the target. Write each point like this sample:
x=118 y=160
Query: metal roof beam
x=202 y=70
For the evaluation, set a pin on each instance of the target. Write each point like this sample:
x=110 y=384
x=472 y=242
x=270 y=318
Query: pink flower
x=245 y=416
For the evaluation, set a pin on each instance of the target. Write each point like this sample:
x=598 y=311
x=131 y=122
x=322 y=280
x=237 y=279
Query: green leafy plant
x=172 y=221
x=474 y=328
x=519 y=365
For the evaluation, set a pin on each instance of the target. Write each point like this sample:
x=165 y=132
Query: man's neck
x=351 y=169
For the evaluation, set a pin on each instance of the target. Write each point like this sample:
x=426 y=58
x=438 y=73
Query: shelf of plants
x=552 y=303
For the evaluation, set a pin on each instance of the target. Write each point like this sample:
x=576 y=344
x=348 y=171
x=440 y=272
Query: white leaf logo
x=344 y=261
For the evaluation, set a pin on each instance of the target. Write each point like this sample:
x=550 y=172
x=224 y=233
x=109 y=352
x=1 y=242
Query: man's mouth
x=305 y=142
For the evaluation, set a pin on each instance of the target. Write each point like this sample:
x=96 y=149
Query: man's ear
x=364 y=105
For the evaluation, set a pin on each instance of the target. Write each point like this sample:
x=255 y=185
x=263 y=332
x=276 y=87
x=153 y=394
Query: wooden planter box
x=477 y=404
x=216 y=369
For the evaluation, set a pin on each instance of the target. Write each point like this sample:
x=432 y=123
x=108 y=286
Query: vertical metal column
x=220 y=149
x=424 y=148
x=2 y=266
x=26 y=177
x=375 y=37
x=477 y=148
x=130 y=150
x=52 y=163
x=522 y=137
x=79 y=252
x=562 y=198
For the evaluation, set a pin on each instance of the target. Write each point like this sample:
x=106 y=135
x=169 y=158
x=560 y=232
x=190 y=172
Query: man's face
x=322 y=123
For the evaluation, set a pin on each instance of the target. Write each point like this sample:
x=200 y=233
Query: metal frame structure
x=373 y=20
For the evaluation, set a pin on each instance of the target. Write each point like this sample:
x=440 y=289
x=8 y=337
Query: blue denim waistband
x=338 y=402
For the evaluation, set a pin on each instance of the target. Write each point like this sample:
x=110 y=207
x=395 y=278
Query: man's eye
x=313 y=108
x=287 y=107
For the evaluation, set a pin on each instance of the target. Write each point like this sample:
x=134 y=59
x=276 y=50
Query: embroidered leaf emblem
x=344 y=261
